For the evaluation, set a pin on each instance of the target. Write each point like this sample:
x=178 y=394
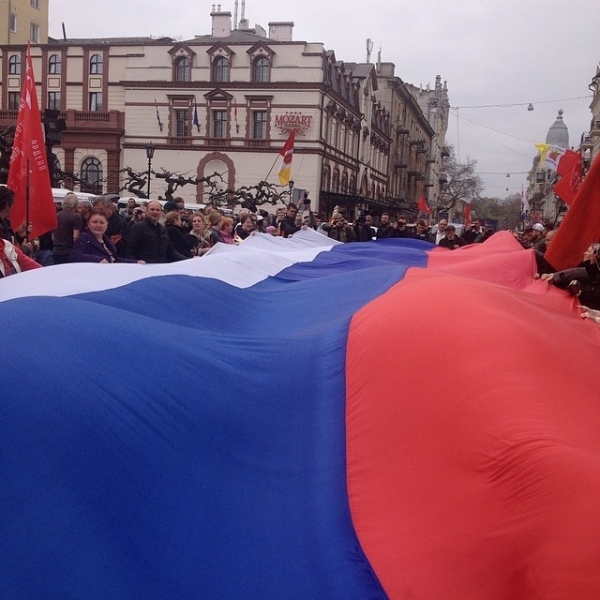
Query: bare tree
x=462 y=184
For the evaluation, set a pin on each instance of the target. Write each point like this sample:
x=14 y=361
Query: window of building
x=96 y=64
x=54 y=64
x=221 y=69
x=13 y=23
x=54 y=100
x=14 y=65
x=183 y=69
x=14 y=99
x=261 y=72
x=219 y=123
x=91 y=176
x=182 y=122
x=259 y=124
x=34 y=33
x=35 y=3
x=95 y=101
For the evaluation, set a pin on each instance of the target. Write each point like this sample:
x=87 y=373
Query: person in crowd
x=451 y=240
x=279 y=216
x=13 y=260
x=177 y=233
x=385 y=228
x=288 y=224
x=362 y=232
x=400 y=229
x=84 y=209
x=149 y=240
x=198 y=237
x=43 y=249
x=70 y=226
x=246 y=228
x=214 y=234
x=582 y=281
x=226 y=230
x=543 y=266
x=272 y=230
x=341 y=230
x=538 y=240
x=473 y=234
x=422 y=231
x=437 y=234
x=117 y=225
x=93 y=245
x=127 y=212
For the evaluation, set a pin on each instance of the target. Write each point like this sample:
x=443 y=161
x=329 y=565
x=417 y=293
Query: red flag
x=468 y=213
x=581 y=225
x=29 y=151
x=569 y=168
x=422 y=205
x=285 y=167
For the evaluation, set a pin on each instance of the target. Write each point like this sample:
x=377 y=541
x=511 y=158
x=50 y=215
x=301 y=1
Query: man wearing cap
x=451 y=240
x=537 y=239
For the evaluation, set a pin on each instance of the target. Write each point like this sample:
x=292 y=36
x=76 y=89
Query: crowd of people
x=150 y=232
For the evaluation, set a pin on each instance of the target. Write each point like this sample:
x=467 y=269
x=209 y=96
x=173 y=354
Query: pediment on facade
x=182 y=50
x=220 y=49
x=260 y=49
x=218 y=95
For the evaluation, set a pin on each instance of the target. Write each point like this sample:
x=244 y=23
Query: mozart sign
x=293 y=121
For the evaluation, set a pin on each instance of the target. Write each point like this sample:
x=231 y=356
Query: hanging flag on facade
x=285 y=167
x=195 y=120
x=29 y=176
x=524 y=203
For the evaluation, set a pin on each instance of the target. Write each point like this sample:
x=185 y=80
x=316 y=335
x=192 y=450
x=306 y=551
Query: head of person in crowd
x=369 y=220
x=384 y=221
x=105 y=205
x=280 y=213
x=401 y=224
x=153 y=212
x=173 y=219
x=97 y=223
x=70 y=202
x=179 y=203
x=291 y=211
x=247 y=223
x=131 y=204
x=227 y=225
x=299 y=220
x=548 y=227
x=537 y=231
x=450 y=231
x=272 y=230
x=549 y=237
x=7 y=199
x=84 y=208
x=421 y=227
x=198 y=224
x=169 y=206
x=338 y=220
x=318 y=219
x=242 y=214
x=139 y=213
x=214 y=219
x=442 y=225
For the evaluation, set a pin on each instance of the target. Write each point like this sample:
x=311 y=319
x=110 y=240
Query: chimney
x=221 y=22
x=281 y=31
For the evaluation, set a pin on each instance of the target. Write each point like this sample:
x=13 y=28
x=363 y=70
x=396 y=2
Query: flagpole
x=27 y=204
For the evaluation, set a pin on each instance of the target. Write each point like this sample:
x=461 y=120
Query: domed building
x=544 y=205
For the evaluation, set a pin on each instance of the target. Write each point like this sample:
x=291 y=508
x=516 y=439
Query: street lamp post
x=149 y=154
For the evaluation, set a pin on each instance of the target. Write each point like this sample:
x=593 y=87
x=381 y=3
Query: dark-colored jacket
x=288 y=226
x=150 y=243
x=179 y=241
x=446 y=243
x=88 y=249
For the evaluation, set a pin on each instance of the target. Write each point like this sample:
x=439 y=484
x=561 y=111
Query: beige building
x=224 y=103
x=23 y=20
x=590 y=140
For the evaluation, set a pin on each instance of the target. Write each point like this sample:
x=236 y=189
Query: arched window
x=221 y=69
x=326 y=183
x=261 y=73
x=335 y=183
x=14 y=65
x=96 y=64
x=91 y=176
x=54 y=64
x=183 y=69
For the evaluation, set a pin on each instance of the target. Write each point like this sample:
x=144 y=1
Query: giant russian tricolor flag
x=298 y=419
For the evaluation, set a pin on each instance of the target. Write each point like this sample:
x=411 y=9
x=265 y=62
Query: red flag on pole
x=569 y=168
x=29 y=152
x=422 y=205
x=285 y=167
x=468 y=213
x=581 y=225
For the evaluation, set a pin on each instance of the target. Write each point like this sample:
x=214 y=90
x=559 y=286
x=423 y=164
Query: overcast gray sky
x=490 y=52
